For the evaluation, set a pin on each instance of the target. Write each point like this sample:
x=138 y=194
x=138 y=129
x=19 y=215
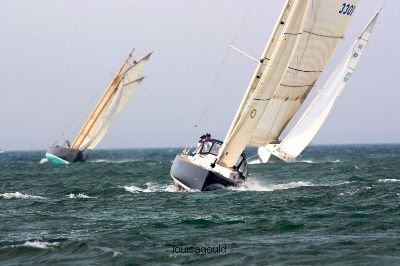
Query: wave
x=40 y=245
x=254 y=161
x=122 y=161
x=151 y=187
x=36 y=244
x=79 y=196
x=43 y=160
x=257 y=161
x=253 y=185
x=388 y=180
x=19 y=195
x=317 y=162
x=113 y=161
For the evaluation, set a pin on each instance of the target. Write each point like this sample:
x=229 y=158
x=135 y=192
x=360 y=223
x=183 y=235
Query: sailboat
x=300 y=136
x=115 y=97
x=304 y=38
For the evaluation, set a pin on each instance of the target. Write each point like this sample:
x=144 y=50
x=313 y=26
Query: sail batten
x=311 y=34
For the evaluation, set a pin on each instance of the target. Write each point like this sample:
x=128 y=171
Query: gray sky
x=57 y=57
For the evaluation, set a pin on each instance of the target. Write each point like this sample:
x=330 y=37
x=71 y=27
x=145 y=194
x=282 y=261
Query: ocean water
x=338 y=205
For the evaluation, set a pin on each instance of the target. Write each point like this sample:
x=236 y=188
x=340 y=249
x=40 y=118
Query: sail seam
x=306 y=71
x=289 y=33
x=295 y=86
x=321 y=35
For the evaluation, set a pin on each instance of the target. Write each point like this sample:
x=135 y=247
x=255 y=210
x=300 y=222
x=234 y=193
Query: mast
x=263 y=63
x=264 y=84
x=97 y=110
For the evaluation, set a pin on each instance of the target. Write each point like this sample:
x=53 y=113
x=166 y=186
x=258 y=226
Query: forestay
x=116 y=96
x=315 y=115
x=308 y=39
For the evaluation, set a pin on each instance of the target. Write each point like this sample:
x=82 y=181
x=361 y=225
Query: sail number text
x=347 y=9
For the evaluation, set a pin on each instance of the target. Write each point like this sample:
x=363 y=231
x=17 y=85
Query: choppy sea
x=337 y=205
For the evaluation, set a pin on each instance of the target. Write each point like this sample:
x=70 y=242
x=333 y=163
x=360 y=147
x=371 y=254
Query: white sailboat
x=300 y=136
x=304 y=38
x=115 y=97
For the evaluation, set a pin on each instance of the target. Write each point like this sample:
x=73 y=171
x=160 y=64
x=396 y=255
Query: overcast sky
x=57 y=57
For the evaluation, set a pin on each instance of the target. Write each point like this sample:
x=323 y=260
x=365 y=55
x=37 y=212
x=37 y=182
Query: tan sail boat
x=304 y=38
x=117 y=94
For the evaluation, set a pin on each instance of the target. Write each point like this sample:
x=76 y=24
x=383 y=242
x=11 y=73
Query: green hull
x=54 y=159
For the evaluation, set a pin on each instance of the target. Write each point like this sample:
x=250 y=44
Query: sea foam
x=151 y=187
x=79 y=196
x=387 y=180
x=19 y=195
x=253 y=185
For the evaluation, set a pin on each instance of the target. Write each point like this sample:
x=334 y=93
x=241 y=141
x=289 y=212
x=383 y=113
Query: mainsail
x=113 y=100
x=315 y=115
x=307 y=39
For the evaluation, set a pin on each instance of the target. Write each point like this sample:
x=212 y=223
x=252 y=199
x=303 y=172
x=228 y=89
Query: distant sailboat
x=117 y=94
x=304 y=38
x=300 y=136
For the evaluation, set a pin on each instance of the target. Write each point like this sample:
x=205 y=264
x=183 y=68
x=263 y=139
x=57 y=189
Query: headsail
x=113 y=100
x=318 y=110
x=308 y=39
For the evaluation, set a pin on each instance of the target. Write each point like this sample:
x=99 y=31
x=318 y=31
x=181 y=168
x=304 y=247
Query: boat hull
x=189 y=176
x=63 y=155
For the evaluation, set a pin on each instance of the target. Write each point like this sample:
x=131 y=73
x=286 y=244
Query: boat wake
x=309 y=161
x=254 y=185
x=114 y=161
x=151 y=187
x=19 y=195
x=43 y=160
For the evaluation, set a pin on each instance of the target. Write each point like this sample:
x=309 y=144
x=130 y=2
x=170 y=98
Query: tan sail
x=114 y=98
x=311 y=34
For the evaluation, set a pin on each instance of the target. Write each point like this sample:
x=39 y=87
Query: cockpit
x=213 y=146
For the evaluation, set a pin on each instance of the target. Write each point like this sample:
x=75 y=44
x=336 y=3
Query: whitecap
x=114 y=161
x=43 y=160
x=387 y=180
x=80 y=196
x=306 y=161
x=38 y=244
x=19 y=195
x=254 y=161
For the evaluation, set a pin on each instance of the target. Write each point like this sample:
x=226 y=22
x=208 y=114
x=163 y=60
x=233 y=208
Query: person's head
x=208 y=136
x=202 y=137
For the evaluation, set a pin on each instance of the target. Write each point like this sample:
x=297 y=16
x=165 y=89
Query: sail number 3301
x=347 y=9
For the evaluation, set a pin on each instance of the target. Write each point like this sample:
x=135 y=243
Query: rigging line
x=84 y=110
x=201 y=116
x=223 y=91
x=212 y=86
x=242 y=27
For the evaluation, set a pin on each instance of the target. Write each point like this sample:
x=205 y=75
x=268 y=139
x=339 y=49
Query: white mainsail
x=315 y=115
x=308 y=38
x=116 y=96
